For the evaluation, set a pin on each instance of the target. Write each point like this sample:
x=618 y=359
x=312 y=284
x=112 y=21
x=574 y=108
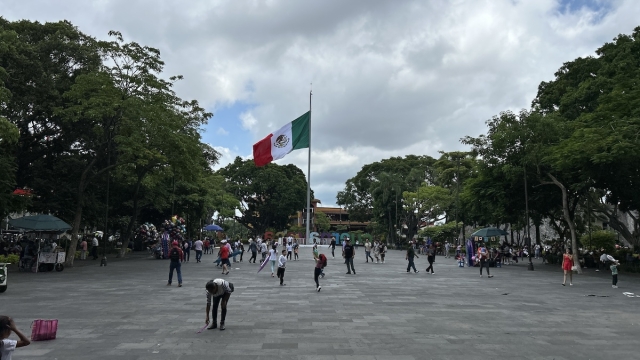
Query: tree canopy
x=268 y=195
x=90 y=114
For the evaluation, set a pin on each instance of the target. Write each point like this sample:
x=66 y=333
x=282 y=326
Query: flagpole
x=309 y=176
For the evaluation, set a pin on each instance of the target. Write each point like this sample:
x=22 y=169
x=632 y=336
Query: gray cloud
x=390 y=78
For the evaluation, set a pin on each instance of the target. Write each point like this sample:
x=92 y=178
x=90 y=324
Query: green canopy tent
x=40 y=224
x=488 y=233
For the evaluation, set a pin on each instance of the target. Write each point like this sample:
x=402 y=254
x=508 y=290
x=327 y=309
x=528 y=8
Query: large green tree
x=375 y=193
x=44 y=61
x=88 y=111
x=8 y=138
x=268 y=195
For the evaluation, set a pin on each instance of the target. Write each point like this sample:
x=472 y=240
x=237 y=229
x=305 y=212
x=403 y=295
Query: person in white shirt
x=7 y=346
x=263 y=251
x=367 y=251
x=603 y=260
x=289 y=250
x=273 y=257
x=218 y=291
x=198 y=248
x=282 y=263
x=94 y=248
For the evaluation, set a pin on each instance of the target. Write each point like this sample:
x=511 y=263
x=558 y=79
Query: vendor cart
x=48 y=261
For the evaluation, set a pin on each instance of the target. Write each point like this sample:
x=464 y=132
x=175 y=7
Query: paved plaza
x=126 y=311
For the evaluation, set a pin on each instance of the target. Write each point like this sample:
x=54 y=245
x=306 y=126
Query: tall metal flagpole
x=309 y=176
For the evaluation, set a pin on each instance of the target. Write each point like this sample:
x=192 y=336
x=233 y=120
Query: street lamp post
x=105 y=234
x=526 y=204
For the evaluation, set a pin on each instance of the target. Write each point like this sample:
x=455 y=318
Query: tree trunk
x=134 y=217
x=71 y=252
x=567 y=218
x=618 y=225
x=538 y=241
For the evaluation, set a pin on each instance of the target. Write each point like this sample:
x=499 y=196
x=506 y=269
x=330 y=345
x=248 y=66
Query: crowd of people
x=277 y=254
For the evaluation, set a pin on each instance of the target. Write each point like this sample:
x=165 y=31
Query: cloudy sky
x=390 y=78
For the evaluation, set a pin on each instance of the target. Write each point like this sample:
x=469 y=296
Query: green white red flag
x=293 y=136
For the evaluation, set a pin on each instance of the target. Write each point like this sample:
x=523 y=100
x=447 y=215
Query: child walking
x=7 y=346
x=282 y=263
x=614 y=274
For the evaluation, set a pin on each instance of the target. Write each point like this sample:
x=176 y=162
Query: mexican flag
x=295 y=135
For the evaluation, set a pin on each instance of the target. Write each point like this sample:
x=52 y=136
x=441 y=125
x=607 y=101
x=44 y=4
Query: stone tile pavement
x=126 y=311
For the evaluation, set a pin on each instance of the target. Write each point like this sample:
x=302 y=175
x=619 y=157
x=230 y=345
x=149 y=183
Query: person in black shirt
x=348 y=253
x=253 y=247
x=332 y=245
x=410 y=254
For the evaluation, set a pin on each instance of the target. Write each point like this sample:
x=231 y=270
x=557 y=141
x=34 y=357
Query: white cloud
x=389 y=78
x=222 y=131
x=227 y=156
x=248 y=121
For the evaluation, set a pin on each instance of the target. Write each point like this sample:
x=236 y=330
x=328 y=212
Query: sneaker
x=213 y=325
x=490 y=276
x=432 y=273
x=168 y=284
x=570 y=284
x=349 y=273
x=319 y=288
x=179 y=285
x=416 y=271
x=354 y=273
x=283 y=284
x=221 y=327
x=597 y=270
x=408 y=271
x=613 y=286
x=481 y=275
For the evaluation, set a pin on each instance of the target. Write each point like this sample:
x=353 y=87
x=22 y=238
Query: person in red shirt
x=176 y=256
x=225 y=250
x=206 y=246
x=321 y=263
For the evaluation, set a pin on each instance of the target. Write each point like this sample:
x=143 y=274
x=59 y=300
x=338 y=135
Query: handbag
x=574 y=268
x=44 y=329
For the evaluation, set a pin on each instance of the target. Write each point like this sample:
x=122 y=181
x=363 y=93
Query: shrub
x=600 y=239
x=12 y=259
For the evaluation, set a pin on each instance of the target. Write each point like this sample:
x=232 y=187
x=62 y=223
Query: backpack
x=174 y=255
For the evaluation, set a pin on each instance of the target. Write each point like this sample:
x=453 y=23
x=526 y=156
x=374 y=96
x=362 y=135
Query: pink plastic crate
x=43 y=329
